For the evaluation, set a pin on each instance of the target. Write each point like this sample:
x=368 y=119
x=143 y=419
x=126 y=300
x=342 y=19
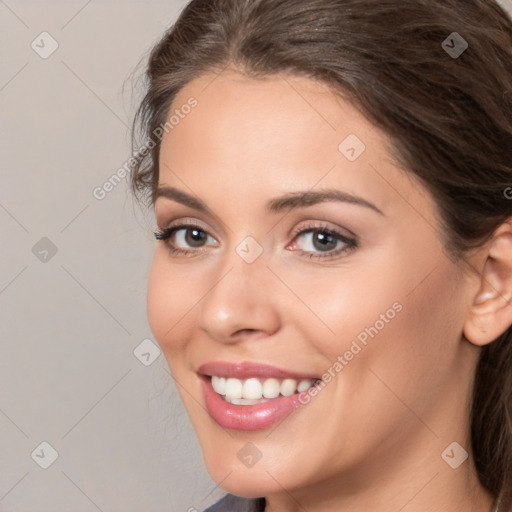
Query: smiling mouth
x=247 y=396
x=256 y=390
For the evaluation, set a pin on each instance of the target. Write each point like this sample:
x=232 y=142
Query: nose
x=241 y=302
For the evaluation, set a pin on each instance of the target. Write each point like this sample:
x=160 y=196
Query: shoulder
x=232 y=503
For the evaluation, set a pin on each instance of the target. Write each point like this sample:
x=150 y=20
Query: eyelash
x=350 y=243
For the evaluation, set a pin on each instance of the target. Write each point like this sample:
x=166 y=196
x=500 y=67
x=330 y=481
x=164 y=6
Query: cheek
x=404 y=317
x=344 y=304
x=404 y=356
x=414 y=352
x=170 y=297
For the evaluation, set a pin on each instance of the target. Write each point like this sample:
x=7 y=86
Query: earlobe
x=490 y=314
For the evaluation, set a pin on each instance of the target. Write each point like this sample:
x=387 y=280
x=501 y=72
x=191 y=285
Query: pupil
x=324 y=241
x=195 y=237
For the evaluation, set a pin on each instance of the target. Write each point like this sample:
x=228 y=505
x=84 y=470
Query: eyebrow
x=180 y=197
x=287 y=202
x=310 y=198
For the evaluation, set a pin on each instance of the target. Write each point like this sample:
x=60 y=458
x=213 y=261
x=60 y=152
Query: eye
x=321 y=242
x=185 y=238
x=191 y=237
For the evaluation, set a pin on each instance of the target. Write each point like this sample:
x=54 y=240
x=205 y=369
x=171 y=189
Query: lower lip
x=247 y=417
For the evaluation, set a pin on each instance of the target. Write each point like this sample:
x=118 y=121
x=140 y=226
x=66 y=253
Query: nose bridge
x=244 y=270
x=239 y=298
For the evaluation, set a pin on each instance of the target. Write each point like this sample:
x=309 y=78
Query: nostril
x=244 y=331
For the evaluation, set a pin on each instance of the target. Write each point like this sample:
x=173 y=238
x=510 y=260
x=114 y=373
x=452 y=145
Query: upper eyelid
x=179 y=225
x=351 y=240
x=342 y=233
x=212 y=220
x=173 y=229
x=191 y=223
x=323 y=226
x=187 y=222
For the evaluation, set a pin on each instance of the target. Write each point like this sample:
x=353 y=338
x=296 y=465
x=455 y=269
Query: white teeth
x=271 y=388
x=288 y=387
x=233 y=388
x=303 y=385
x=253 y=390
x=243 y=401
x=219 y=385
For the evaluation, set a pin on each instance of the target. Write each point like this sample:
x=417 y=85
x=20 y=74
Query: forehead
x=278 y=123
x=249 y=138
x=284 y=114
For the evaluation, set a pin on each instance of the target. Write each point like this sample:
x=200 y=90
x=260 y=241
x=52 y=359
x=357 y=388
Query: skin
x=372 y=439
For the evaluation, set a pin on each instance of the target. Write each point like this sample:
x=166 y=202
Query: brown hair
x=448 y=116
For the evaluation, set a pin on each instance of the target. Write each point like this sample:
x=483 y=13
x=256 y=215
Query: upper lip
x=246 y=370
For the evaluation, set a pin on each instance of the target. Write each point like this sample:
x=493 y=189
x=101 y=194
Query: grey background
x=71 y=320
x=69 y=325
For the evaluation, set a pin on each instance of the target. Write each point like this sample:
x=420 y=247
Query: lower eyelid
x=349 y=244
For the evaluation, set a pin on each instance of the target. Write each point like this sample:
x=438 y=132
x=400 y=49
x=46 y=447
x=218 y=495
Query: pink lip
x=248 y=417
x=246 y=370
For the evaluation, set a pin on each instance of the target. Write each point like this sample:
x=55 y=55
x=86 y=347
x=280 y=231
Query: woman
x=332 y=282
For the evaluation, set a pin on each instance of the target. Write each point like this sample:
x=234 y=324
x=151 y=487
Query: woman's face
x=310 y=255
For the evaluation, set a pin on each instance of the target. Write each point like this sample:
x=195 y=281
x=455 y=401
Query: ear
x=490 y=314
